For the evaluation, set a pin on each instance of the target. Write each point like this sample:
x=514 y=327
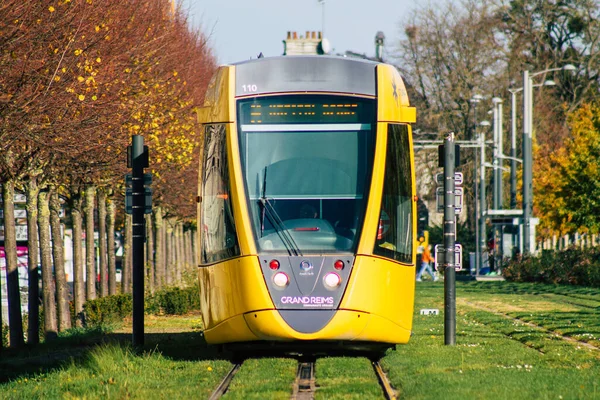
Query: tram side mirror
x=441 y=155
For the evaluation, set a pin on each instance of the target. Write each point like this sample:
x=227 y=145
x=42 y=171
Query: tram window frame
x=396 y=242
x=359 y=126
x=216 y=198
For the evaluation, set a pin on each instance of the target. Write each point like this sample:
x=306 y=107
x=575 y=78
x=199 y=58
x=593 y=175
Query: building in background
x=312 y=43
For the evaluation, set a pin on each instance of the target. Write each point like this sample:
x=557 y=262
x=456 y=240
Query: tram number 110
x=250 y=88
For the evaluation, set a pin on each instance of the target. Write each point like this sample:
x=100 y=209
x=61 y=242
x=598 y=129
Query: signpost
x=446 y=255
x=138 y=200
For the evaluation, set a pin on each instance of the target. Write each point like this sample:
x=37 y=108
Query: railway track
x=304 y=386
x=224 y=385
x=384 y=382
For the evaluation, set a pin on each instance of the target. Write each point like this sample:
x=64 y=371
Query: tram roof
x=306 y=73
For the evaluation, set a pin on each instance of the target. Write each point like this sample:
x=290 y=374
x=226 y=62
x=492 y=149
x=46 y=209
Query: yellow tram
x=307 y=205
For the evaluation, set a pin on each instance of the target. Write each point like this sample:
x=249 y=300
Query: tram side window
x=394 y=236
x=219 y=240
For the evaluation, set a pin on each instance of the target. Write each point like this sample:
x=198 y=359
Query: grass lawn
x=509 y=345
x=496 y=357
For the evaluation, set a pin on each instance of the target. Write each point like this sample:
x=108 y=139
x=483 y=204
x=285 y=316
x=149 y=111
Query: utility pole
x=322 y=18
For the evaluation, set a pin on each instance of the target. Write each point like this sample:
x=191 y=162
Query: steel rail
x=304 y=385
x=224 y=385
x=384 y=382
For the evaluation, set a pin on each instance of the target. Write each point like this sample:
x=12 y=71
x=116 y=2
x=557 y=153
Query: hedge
x=170 y=301
x=572 y=266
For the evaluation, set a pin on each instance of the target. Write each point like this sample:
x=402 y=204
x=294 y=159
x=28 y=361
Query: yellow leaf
x=81 y=97
x=97 y=28
x=80 y=78
x=56 y=78
x=51 y=9
x=98 y=60
x=78 y=52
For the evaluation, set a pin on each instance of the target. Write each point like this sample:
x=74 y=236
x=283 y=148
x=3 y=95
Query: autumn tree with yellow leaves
x=568 y=197
x=79 y=77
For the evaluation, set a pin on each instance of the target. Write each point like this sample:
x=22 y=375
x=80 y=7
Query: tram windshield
x=307 y=164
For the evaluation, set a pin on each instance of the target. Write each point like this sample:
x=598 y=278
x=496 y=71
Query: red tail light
x=339 y=265
x=274 y=265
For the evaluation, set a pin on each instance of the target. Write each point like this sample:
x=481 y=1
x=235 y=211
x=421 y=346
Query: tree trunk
x=102 y=241
x=12 y=270
x=126 y=263
x=169 y=251
x=159 y=265
x=33 y=308
x=186 y=251
x=195 y=254
x=62 y=290
x=173 y=253
x=180 y=253
x=110 y=227
x=78 y=281
x=150 y=253
x=90 y=250
x=165 y=252
x=49 y=301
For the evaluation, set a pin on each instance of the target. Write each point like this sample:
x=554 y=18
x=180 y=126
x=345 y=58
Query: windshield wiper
x=268 y=209
x=262 y=199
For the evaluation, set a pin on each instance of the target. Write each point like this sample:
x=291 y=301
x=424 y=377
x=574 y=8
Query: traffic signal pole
x=138 y=161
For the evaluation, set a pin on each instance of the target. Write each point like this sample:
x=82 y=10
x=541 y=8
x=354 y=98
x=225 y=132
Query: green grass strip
x=115 y=372
x=346 y=378
x=265 y=378
x=495 y=357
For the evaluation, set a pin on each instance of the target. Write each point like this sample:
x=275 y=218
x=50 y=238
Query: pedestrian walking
x=426 y=260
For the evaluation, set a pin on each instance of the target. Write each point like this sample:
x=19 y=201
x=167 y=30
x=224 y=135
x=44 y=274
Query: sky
x=241 y=29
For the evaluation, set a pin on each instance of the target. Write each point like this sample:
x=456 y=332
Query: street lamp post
x=497 y=162
x=527 y=153
x=513 y=149
x=482 y=206
x=527 y=161
x=474 y=100
x=497 y=152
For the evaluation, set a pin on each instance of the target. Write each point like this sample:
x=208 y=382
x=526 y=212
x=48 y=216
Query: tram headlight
x=332 y=280
x=281 y=280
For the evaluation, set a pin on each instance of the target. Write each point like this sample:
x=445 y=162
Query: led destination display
x=311 y=109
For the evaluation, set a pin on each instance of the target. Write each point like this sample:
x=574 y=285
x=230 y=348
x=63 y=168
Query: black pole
x=138 y=162
x=449 y=242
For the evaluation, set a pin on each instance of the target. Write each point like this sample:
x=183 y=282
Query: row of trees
x=451 y=52
x=78 y=78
